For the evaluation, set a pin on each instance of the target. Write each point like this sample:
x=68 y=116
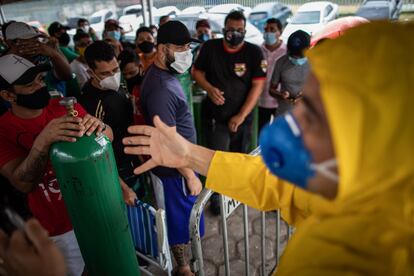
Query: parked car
x=264 y=11
x=226 y=8
x=253 y=35
x=380 y=9
x=194 y=10
x=97 y=20
x=311 y=17
x=133 y=9
x=72 y=22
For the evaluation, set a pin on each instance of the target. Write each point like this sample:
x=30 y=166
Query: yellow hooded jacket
x=367 y=86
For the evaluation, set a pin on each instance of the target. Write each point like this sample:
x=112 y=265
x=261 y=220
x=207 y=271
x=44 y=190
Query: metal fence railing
x=227 y=207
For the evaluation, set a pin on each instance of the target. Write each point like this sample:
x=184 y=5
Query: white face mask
x=112 y=82
x=325 y=169
x=183 y=61
x=85 y=28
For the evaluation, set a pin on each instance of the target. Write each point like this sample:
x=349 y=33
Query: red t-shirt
x=16 y=139
x=136 y=102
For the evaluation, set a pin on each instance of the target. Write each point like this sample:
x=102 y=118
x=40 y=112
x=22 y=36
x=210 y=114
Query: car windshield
x=95 y=20
x=374 y=12
x=133 y=11
x=258 y=16
x=310 y=17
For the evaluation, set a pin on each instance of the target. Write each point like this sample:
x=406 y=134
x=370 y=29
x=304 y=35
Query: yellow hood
x=367 y=86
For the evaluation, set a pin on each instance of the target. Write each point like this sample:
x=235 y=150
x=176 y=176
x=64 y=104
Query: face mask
x=85 y=28
x=112 y=82
x=286 y=155
x=298 y=61
x=134 y=81
x=182 y=62
x=37 y=100
x=81 y=51
x=146 y=47
x=64 y=39
x=234 y=38
x=270 y=38
x=114 y=34
x=203 y=37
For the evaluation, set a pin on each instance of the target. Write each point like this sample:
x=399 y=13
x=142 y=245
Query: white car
x=253 y=35
x=97 y=20
x=311 y=17
x=133 y=9
x=227 y=8
x=193 y=10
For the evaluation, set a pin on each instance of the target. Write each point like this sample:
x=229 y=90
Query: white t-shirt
x=80 y=70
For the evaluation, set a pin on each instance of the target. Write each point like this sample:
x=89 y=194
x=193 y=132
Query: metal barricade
x=227 y=207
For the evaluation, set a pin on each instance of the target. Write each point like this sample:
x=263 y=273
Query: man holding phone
x=290 y=72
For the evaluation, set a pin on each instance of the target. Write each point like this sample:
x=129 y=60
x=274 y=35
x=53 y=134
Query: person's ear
x=91 y=73
x=8 y=96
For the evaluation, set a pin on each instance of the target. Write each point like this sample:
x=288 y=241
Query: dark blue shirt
x=162 y=95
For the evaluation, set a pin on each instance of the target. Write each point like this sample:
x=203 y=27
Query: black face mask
x=146 y=47
x=64 y=39
x=37 y=100
x=132 y=82
x=234 y=38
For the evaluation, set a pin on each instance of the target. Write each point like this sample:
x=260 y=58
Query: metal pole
x=263 y=240
x=225 y=237
x=3 y=17
x=197 y=263
x=150 y=6
x=246 y=239
x=277 y=237
x=144 y=11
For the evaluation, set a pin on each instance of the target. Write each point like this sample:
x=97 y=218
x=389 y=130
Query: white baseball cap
x=18 y=70
x=19 y=30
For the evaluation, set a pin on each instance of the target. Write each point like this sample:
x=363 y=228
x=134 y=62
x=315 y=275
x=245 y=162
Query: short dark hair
x=275 y=21
x=143 y=30
x=235 y=15
x=79 y=35
x=82 y=20
x=98 y=51
x=127 y=56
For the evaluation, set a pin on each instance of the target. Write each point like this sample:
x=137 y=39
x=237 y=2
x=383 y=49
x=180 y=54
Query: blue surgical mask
x=270 y=38
x=203 y=37
x=115 y=35
x=285 y=154
x=298 y=61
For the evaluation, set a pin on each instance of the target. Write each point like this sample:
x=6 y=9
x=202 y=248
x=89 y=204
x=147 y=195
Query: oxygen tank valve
x=69 y=104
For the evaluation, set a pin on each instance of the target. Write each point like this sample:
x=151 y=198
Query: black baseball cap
x=16 y=70
x=297 y=42
x=174 y=32
x=56 y=27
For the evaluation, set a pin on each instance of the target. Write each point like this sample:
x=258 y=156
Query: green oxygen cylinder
x=87 y=174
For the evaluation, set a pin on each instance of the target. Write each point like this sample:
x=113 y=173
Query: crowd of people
x=121 y=87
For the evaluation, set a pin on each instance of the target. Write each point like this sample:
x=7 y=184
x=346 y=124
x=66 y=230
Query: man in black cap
x=27 y=131
x=162 y=95
x=290 y=72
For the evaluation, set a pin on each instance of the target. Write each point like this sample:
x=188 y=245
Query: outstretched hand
x=165 y=146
